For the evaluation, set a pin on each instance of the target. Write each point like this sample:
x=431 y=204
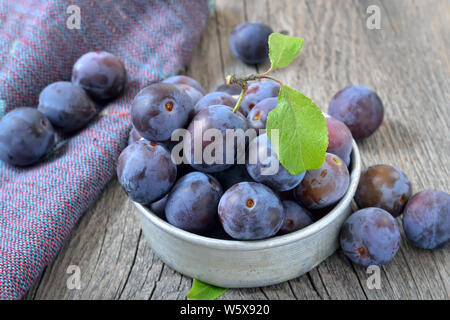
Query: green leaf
x=283 y=49
x=302 y=131
x=204 y=291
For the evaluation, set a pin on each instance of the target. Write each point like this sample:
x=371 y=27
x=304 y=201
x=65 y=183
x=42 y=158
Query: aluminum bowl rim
x=254 y=245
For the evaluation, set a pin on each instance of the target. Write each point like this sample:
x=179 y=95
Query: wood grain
x=406 y=62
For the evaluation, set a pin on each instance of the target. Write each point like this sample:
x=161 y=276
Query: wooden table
x=406 y=62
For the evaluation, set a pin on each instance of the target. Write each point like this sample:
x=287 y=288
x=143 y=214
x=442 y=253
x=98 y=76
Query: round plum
x=257 y=117
x=426 y=219
x=159 y=109
x=249 y=42
x=257 y=92
x=26 y=135
x=340 y=139
x=370 y=237
x=296 y=217
x=384 y=187
x=220 y=118
x=101 y=74
x=324 y=186
x=359 y=108
x=192 y=203
x=66 y=105
x=180 y=79
x=265 y=167
x=250 y=211
x=146 y=171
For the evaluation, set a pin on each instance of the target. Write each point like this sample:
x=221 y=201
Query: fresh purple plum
x=179 y=79
x=101 y=74
x=66 y=105
x=159 y=109
x=250 y=211
x=146 y=171
x=214 y=98
x=192 y=203
x=203 y=156
x=296 y=217
x=359 y=108
x=257 y=92
x=370 y=237
x=340 y=140
x=384 y=187
x=426 y=219
x=257 y=117
x=26 y=135
x=265 y=167
x=324 y=186
x=249 y=42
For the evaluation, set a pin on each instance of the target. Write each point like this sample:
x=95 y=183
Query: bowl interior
x=271 y=242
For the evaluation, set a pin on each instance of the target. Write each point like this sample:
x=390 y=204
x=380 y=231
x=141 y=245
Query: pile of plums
x=232 y=200
x=27 y=134
x=236 y=201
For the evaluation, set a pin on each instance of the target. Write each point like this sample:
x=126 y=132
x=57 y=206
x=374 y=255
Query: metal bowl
x=241 y=264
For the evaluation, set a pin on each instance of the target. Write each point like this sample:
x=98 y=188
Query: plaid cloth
x=40 y=205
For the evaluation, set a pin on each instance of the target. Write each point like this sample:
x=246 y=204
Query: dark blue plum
x=250 y=211
x=325 y=186
x=180 y=79
x=257 y=117
x=159 y=109
x=101 y=74
x=231 y=89
x=230 y=177
x=249 y=42
x=257 y=92
x=359 y=108
x=384 y=187
x=146 y=171
x=340 y=139
x=214 y=98
x=192 y=203
x=26 y=135
x=192 y=92
x=265 y=167
x=217 y=117
x=370 y=237
x=66 y=105
x=426 y=219
x=296 y=217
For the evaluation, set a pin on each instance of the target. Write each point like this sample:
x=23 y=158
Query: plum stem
x=243 y=83
x=241 y=97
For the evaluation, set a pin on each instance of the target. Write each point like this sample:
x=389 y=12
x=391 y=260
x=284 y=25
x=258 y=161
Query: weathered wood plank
x=406 y=62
